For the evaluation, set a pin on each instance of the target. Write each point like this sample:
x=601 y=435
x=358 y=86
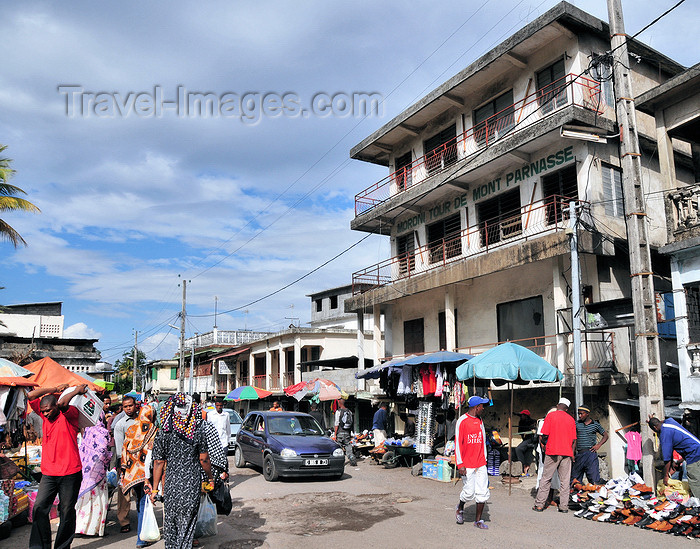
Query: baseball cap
x=524 y=413
x=476 y=400
x=565 y=401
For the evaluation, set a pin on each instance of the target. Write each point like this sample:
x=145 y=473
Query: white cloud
x=80 y=330
x=160 y=346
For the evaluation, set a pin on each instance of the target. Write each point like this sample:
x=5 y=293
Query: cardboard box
x=89 y=406
x=430 y=469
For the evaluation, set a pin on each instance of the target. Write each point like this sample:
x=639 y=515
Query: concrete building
x=476 y=206
x=32 y=331
x=675 y=106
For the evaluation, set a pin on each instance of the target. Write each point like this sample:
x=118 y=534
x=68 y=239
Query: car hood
x=307 y=444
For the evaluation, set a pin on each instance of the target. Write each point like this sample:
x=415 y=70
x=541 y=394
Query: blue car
x=288 y=444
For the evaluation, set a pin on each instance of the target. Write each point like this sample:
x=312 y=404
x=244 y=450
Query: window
x=154 y=374
x=692 y=300
x=334 y=302
x=551 y=87
x=557 y=187
x=259 y=365
x=413 y=336
x=520 y=320
x=603 y=74
x=319 y=305
x=249 y=422
x=444 y=240
x=404 y=252
x=612 y=191
x=441 y=149
x=173 y=373
x=442 y=329
x=315 y=353
x=403 y=172
x=494 y=119
x=499 y=218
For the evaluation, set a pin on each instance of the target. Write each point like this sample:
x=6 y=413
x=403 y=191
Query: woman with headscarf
x=180 y=446
x=95 y=455
x=138 y=441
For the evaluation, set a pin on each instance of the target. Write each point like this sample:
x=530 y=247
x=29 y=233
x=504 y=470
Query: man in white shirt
x=221 y=421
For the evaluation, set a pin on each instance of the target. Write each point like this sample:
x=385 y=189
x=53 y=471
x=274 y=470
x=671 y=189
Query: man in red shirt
x=560 y=430
x=61 y=470
x=470 y=449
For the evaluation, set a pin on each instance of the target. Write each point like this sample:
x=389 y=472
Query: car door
x=245 y=437
x=258 y=441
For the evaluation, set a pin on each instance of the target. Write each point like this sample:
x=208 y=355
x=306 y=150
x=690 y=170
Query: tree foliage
x=9 y=201
x=125 y=371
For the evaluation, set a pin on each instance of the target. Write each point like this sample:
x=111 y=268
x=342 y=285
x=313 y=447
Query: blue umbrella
x=374 y=372
x=509 y=362
x=437 y=358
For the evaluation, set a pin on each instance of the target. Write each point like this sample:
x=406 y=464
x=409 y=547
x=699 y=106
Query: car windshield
x=234 y=417
x=294 y=425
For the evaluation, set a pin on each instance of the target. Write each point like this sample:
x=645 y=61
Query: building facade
x=486 y=174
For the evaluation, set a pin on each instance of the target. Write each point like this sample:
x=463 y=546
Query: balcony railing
x=568 y=90
x=533 y=220
x=288 y=379
x=597 y=350
x=224 y=337
x=260 y=381
x=221 y=384
x=685 y=203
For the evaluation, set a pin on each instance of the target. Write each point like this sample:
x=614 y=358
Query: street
x=373 y=506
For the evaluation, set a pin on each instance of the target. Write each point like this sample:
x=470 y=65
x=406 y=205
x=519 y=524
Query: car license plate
x=315 y=462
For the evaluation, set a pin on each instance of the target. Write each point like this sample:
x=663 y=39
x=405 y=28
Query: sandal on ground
x=538 y=509
x=481 y=525
x=125 y=529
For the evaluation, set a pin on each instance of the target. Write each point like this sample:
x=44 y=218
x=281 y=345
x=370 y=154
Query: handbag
x=221 y=496
x=149 y=526
x=8 y=468
x=206 y=518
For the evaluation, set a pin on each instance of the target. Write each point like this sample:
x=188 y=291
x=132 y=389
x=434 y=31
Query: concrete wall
x=31 y=325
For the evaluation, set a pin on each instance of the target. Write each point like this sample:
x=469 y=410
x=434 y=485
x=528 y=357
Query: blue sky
x=131 y=202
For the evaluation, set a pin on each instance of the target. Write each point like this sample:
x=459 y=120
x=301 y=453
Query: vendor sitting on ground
x=524 y=451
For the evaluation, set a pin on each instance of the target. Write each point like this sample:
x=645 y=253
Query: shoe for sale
x=459 y=515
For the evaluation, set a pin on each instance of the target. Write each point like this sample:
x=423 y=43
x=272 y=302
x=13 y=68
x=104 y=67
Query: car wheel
x=269 y=469
x=239 y=460
x=389 y=460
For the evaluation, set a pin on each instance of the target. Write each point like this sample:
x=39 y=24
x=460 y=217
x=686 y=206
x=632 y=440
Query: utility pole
x=576 y=306
x=191 y=391
x=183 y=314
x=136 y=355
x=646 y=337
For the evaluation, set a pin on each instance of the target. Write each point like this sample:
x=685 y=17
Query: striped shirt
x=586 y=435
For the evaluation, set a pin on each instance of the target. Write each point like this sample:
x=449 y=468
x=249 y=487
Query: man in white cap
x=559 y=429
x=470 y=454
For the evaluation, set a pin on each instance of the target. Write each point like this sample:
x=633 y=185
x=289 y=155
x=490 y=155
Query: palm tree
x=10 y=202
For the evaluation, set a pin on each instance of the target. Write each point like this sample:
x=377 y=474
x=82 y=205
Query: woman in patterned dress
x=92 y=499
x=180 y=446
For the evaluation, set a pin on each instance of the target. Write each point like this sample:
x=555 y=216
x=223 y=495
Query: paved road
x=371 y=506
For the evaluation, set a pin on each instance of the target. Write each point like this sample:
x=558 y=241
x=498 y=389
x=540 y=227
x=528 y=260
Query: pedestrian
x=221 y=422
x=179 y=449
x=218 y=455
x=60 y=465
x=197 y=399
x=121 y=423
x=674 y=437
x=138 y=440
x=93 y=501
x=560 y=430
x=379 y=424
x=524 y=450
x=344 y=422
x=470 y=446
x=276 y=407
x=587 y=446
x=318 y=416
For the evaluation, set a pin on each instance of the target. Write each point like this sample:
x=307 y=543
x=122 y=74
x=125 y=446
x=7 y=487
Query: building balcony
x=533 y=220
x=571 y=90
x=224 y=337
x=260 y=382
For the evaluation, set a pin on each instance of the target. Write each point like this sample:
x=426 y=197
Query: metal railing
x=597 y=350
x=260 y=381
x=568 y=90
x=224 y=337
x=531 y=221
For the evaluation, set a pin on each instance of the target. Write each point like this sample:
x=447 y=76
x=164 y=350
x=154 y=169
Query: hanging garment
x=405 y=381
x=634 y=445
x=438 y=381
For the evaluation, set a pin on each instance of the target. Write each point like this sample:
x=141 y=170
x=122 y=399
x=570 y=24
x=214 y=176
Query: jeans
x=138 y=494
x=524 y=451
x=67 y=487
x=586 y=462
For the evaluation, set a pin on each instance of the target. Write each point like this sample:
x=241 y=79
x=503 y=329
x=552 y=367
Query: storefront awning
x=341 y=362
x=232 y=353
x=671 y=408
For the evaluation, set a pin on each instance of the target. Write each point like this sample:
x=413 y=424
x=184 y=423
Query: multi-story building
x=482 y=172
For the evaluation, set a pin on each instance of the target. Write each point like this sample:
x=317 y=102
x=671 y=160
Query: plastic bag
x=206 y=518
x=149 y=526
x=222 y=498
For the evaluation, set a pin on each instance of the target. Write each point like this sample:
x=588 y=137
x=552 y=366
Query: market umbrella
x=10 y=369
x=134 y=394
x=509 y=363
x=17 y=381
x=297 y=389
x=436 y=358
x=49 y=373
x=395 y=364
x=247 y=392
x=323 y=389
x=105 y=384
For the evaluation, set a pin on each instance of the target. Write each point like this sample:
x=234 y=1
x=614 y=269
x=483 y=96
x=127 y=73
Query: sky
x=138 y=192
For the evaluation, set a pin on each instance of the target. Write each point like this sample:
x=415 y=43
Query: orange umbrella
x=49 y=373
x=15 y=381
